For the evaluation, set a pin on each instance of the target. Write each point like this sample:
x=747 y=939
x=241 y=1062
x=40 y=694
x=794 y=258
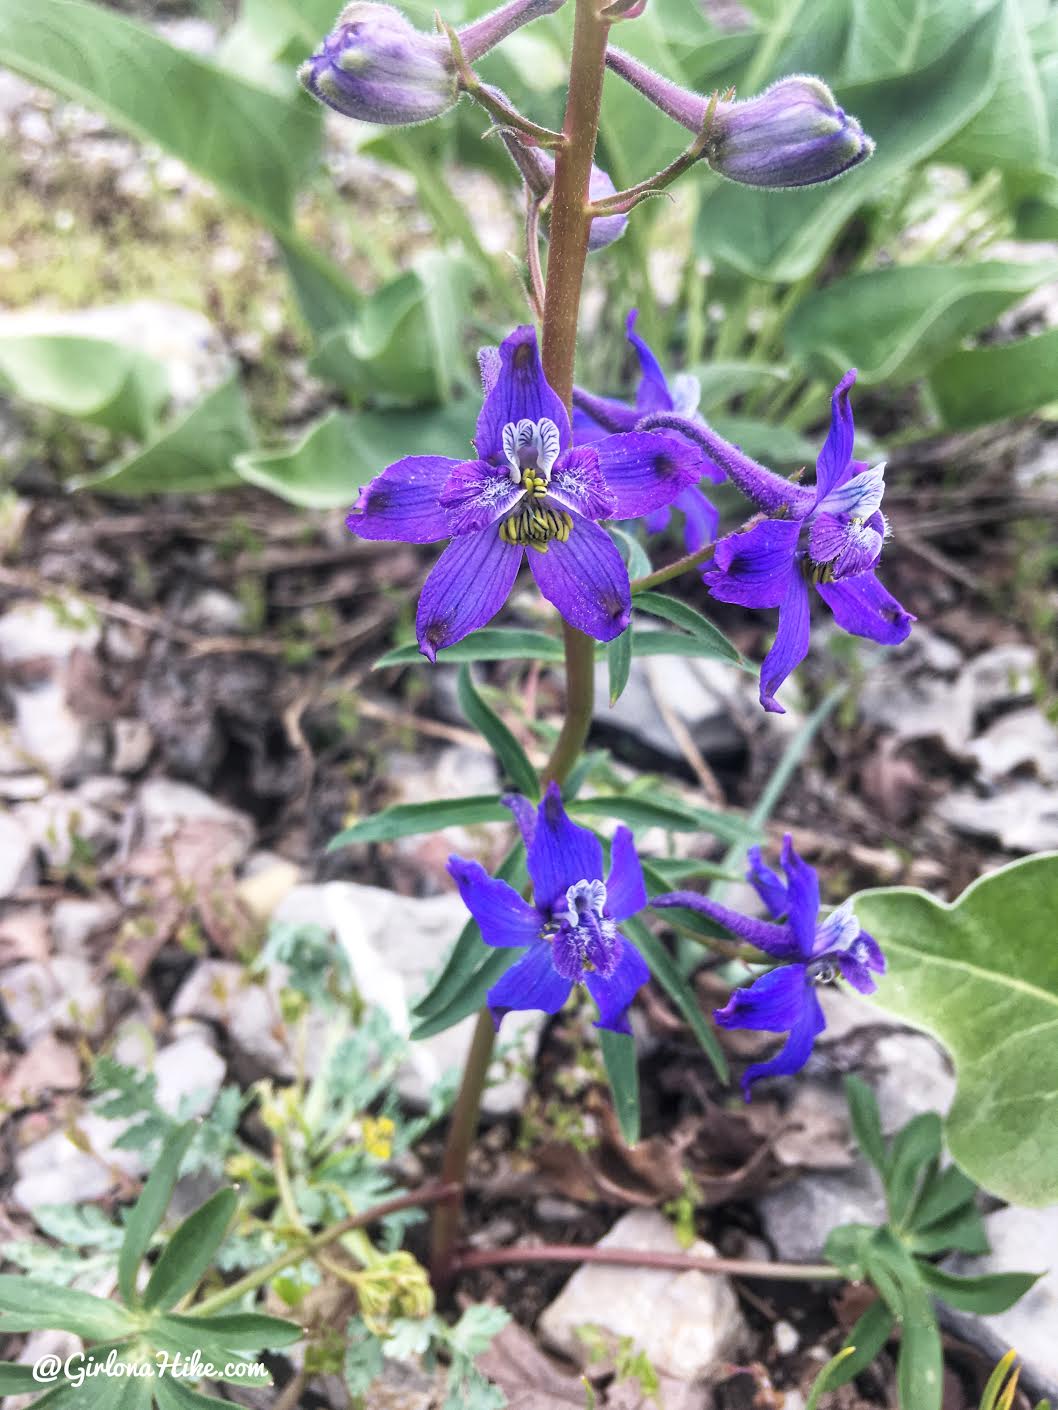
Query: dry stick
x=467 y=1259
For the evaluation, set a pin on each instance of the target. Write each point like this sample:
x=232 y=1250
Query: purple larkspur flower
x=376 y=66
x=812 y=951
x=828 y=536
x=538 y=171
x=792 y=134
x=595 y=417
x=528 y=490
x=571 y=925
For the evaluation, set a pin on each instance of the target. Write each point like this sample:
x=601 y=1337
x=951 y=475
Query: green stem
x=681 y=565
x=568 y=250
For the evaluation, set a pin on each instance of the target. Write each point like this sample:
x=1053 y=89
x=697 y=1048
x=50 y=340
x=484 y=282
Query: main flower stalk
x=567 y=253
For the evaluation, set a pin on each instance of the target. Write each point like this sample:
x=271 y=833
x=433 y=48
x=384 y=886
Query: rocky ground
x=189 y=714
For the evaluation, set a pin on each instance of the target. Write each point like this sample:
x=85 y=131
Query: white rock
x=56 y=1171
x=51 y=735
x=41 y=997
x=703 y=699
x=18 y=865
x=787 y=1340
x=221 y=991
x=75 y=921
x=1040 y=472
x=61 y=824
x=910 y=1075
x=1024 y=817
x=1001 y=674
x=133 y=742
x=33 y=630
x=190 y=1073
x=1014 y=741
x=685 y=1322
x=211 y=610
x=799 y=1216
x=920 y=705
x=166 y=805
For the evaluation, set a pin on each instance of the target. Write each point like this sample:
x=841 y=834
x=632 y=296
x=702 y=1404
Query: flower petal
x=626 y=891
x=849 y=545
x=701 y=518
x=857 y=963
x=586 y=579
x=835 y=458
x=774 y=940
x=652 y=393
x=466 y=587
x=595 y=417
x=768 y=885
x=577 y=483
x=614 y=994
x=657 y=521
x=860 y=495
x=772 y=1004
x=519 y=392
x=645 y=470
x=863 y=607
x=795 y=1052
x=791 y=642
x=524 y=815
x=532 y=983
x=504 y=917
x=476 y=494
x=561 y=853
x=402 y=504
x=753 y=568
x=802 y=897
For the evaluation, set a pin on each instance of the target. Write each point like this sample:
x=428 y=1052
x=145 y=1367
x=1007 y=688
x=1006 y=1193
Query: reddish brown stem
x=467 y=1259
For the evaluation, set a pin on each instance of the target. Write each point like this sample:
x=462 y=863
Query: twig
x=681 y=565
x=682 y=735
x=467 y=1259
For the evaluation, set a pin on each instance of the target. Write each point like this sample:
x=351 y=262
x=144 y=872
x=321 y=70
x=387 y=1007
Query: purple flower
x=594 y=417
x=792 y=134
x=376 y=66
x=571 y=927
x=812 y=951
x=538 y=170
x=528 y=490
x=829 y=537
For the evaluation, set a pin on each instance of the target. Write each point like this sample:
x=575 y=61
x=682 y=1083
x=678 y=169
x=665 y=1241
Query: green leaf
x=962 y=1232
x=172 y=1336
x=721 y=381
x=986 y=1295
x=363 y=1357
x=245 y=1331
x=326 y=298
x=28 y=1306
x=470 y=996
x=992 y=384
x=894 y=36
x=681 y=614
x=869 y=1334
x=475 y=1330
x=619 y=1055
x=410 y=819
x=981 y=975
x=948 y=1192
x=915 y=1149
x=619 y=663
x=847 y=1247
x=893 y=324
x=666 y=643
x=919 y=1367
x=666 y=971
x=189 y=1252
x=104 y=383
x=499 y=738
x=469 y=950
x=188 y=456
x=486 y=644
x=661 y=810
x=252 y=145
x=866 y=1123
x=632 y=551
x=16 y=1378
x=149 y=1209
x=174 y=1394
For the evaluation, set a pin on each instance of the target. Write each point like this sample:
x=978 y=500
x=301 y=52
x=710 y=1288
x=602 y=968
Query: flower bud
x=376 y=66
x=792 y=134
x=538 y=169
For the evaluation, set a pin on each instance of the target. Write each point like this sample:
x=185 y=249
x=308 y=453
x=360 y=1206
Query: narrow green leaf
x=664 y=811
x=16 y=1378
x=948 y=1192
x=986 y=1294
x=691 y=620
x=104 y=383
x=245 y=1331
x=190 y=455
x=619 y=663
x=632 y=551
x=995 y=383
x=189 y=1252
x=665 y=970
x=666 y=643
x=666 y=873
x=919 y=1367
x=470 y=996
x=487 y=644
x=498 y=736
x=866 y=1123
x=178 y=1340
x=990 y=1394
x=619 y=1055
x=410 y=819
x=149 y=1209
x=961 y=1232
x=28 y=1305
x=829 y=1377
x=174 y=1394
x=915 y=1148
x=864 y=1342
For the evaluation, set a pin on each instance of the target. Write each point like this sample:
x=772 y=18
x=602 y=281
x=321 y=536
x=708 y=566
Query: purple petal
x=802 y=897
x=524 y=815
x=403 y=503
x=657 y=521
x=860 y=495
x=577 y=483
x=614 y=993
x=519 y=392
x=466 y=587
x=561 y=853
x=775 y=940
x=791 y=642
x=532 y=983
x=849 y=545
x=595 y=417
x=754 y=568
x=835 y=458
x=646 y=470
x=857 y=963
x=626 y=891
x=768 y=885
x=653 y=391
x=863 y=607
x=476 y=494
x=794 y=1053
x=701 y=519
x=586 y=579
x=503 y=917
x=772 y=1004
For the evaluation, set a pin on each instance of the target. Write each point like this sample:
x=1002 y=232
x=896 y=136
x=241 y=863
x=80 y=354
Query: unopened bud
x=538 y=170
x=793 y=134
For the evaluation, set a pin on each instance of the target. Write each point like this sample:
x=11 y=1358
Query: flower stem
x=647 y=1258
x=568 y=249
x=681 y=565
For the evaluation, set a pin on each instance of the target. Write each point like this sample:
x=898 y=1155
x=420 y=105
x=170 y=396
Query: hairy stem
x=647 y=1258
x=681 y=565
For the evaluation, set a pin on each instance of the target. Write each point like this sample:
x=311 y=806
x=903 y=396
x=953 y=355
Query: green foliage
x=619 y=663
x=96 y=381
x=619 y=1056
x=981 y=975
x=481 y=717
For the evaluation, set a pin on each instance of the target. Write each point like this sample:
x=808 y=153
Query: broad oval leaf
x=104 y=383
x=981 y=975
x=190 y=1251
x=990 y=384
